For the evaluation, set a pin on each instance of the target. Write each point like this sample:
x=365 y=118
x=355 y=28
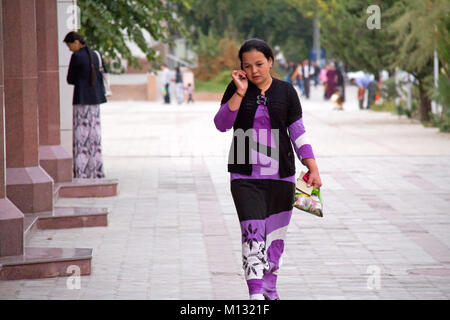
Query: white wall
x=65 y=25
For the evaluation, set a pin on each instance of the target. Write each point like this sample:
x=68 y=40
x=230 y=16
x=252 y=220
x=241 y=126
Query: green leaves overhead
x=107 y=25
x=278 y=22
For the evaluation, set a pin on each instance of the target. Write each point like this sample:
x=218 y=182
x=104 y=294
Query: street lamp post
x=316 y=39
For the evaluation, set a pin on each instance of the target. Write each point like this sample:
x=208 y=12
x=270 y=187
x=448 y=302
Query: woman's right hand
x=240 y=81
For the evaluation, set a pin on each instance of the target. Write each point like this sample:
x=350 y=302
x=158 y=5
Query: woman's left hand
x=314 y=179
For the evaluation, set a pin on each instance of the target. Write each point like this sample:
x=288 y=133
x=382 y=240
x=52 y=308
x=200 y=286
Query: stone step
x=87 y=188
x=65 y=218
x=29 y=226
x=46 y=263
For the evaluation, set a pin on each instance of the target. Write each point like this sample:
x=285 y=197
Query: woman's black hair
x=70 y=38
x=258 y=45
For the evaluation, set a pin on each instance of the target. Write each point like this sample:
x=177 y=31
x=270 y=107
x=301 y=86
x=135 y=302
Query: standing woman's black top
x=78 y=75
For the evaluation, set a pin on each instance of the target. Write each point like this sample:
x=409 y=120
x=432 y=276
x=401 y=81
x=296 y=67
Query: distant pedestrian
x=297 y=76
x=289 y=72
x=263 y=172
x=190 y=91
x=88 y=94
x=331 y=80
x=308 y=73
x=166 y=77
x=372 y=89
x=316 y=72
x=323 y=78
x=362 y=82
x=179 y=85
x=341 y=83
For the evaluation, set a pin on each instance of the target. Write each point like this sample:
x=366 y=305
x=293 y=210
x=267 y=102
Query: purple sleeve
x=224 y=119
x=298 y=137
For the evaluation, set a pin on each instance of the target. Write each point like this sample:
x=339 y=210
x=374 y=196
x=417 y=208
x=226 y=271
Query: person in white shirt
x=166 y=81
x=307 y=73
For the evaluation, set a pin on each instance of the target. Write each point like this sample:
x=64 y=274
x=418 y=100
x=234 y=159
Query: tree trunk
x=425 y=103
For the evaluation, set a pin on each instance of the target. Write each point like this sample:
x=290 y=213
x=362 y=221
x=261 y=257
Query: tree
x=407 y=38
x=278 y=22
x=346 y=36
x=417 y=36
x=107 y=25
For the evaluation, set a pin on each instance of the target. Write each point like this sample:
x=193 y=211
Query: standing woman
x=323 y=78
x=179 y=85
x=88 y=94
x=331 y=80
x=266 y=113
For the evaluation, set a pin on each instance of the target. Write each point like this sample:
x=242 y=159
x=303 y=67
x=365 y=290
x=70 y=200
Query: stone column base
x=30 y=189
x=11 y=229
x=57 y=162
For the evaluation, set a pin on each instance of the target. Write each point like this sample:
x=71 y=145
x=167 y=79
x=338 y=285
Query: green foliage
x=214 y=56
x=278 y=22
x=344 y=33
x=224 y=77
x=442 y=121
x=209 y=86
x=402 y=109
x=216 y=84
x=385 y=106
x=389 y=90
x=441 y=94
x=416 y=31
x=107 y=25
x=207 y=45
x=295 y=49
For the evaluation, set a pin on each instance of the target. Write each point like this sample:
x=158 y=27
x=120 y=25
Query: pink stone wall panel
x=19 y=37
x=47 y=35
x=2 y=146
x=49 y=120
x=21 y=122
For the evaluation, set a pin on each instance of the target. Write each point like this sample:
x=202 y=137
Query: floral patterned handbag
x=306 y=198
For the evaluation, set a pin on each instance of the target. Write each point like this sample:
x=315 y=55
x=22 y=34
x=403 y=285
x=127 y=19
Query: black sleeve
x=72 y=74
x=231 y=89
x=295 y=108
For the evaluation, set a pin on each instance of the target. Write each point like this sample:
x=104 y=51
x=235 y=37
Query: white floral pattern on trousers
x=87 y=147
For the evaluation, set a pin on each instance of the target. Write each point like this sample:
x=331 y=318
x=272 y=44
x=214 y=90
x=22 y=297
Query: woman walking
x=267 y=111
x=88 y=94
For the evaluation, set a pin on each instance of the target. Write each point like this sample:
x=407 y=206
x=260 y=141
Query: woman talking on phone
x=266 y=116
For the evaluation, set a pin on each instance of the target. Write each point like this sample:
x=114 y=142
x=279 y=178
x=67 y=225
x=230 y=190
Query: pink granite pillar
x=52 y=157
x=11 y=219
x=28 y=186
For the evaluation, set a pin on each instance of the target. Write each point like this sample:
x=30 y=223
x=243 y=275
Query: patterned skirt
x=264 y=208
x=87 y=147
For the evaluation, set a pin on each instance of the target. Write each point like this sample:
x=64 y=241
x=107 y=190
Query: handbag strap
x=100 y=63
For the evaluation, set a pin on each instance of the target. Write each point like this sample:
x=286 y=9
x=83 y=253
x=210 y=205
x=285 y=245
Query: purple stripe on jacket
x=297 y=131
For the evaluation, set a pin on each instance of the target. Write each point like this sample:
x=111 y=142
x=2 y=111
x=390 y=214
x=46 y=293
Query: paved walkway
x=173 y=232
